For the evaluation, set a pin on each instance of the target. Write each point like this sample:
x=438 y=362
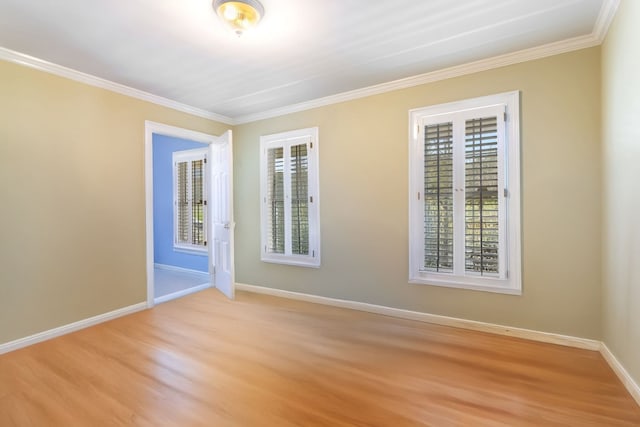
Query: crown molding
x=605 y=18
x=530 y=54
x=597 y=36
x=599 y=32
x=58 y=70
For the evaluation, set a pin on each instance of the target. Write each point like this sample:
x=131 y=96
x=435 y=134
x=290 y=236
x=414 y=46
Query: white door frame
x=159 y=128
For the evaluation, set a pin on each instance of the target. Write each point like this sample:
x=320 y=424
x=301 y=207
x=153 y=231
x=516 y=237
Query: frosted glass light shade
x=239 y=15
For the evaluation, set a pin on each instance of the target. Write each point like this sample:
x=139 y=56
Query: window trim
x=285 y=140
x=512 y=284
x=190 y=156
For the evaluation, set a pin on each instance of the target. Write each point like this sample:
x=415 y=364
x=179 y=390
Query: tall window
x=189 y=200
x=290 y=201
x=465 y=194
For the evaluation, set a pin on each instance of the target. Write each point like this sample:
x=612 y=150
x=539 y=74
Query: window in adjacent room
x=290 y=227
x=189 y=200
x=465 y=194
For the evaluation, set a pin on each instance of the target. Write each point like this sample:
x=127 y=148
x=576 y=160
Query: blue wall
x=163 y=147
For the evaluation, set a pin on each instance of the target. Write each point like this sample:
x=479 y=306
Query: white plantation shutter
x=197 y=202
x=464 y=227
x=290 y=203
x=189 y=199
x=182 y=202
x=275 y=200
x=299 y=200
x=438 y=197
x=482 y=201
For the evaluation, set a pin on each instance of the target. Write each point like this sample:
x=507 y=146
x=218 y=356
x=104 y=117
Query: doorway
x=189 y=233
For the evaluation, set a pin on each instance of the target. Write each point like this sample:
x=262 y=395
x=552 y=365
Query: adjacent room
x=320 y=213
x=180 y=256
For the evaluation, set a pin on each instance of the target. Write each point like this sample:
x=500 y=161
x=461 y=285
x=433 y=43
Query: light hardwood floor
x=263 y=361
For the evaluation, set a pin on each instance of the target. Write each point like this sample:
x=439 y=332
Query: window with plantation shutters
x=189 y=200
x=290 y=229
x=465 y=194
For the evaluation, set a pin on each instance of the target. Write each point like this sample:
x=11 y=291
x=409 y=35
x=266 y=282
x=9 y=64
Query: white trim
x=599 y=32
x=162 y=129
x=539 y=52
x=510 y=277
x=180 y=269
x=182 y=293
x=631 y=386
x=529 y=334
x=605 y=18
x=286 y=140
x=189 y=157
x=191 y=135
x=71 y=327
x=565 y=340
x=59 y=70
x=191 y=251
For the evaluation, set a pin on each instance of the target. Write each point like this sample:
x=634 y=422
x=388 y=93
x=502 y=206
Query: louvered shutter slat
x=197 y=202
x=182 y=202
x=438 y=197
x=481 y=196
x=299 y=200
x=275 y=200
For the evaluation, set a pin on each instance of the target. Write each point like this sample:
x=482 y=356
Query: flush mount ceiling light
x=239 y=15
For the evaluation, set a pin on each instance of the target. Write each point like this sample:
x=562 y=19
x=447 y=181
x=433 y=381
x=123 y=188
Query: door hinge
x=313 y=254
x=205 y=160
x=506 y=193
x=205 y=243
x=311 y=145
x=505 y=116
x=418 y=195
x=310 y=199
x=205 y=202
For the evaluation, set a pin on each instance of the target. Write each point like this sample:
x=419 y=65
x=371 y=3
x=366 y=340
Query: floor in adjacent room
x=204 y=360
x=171 y=282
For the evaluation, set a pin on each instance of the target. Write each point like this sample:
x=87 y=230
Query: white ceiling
x=303 y=49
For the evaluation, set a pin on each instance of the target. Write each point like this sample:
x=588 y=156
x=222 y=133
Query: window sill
x=191 y=251
x=312 y=263
x=498 y=286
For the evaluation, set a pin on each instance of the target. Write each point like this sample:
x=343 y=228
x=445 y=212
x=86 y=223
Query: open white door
x=221 y=265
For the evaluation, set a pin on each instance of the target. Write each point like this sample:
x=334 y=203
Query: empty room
x=319 y=213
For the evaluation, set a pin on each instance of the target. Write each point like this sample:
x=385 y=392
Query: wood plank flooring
x=263 y=361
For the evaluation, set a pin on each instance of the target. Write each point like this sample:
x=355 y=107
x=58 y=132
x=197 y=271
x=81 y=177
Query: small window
x=189 y=200
x=290 y=225
x=465 y=194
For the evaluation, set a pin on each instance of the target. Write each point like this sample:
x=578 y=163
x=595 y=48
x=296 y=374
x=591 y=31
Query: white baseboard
x=621 y=372
x=529 y=334
x=71 y=327
x=181 y=270
x=565 y=340
x=181 y=293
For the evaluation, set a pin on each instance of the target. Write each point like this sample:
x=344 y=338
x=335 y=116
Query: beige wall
x=364 y=205
x=72 y=239
x=621 y=178
x=72 y=209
